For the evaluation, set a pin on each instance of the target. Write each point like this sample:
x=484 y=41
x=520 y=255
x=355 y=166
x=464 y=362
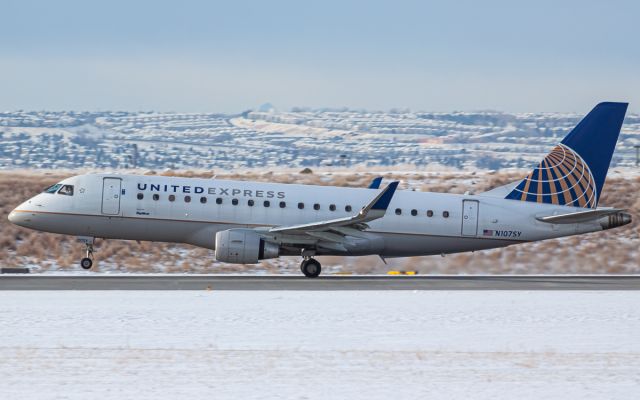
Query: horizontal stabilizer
x=578 y=217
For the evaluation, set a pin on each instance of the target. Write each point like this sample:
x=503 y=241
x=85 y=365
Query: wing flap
x=349 y=231
x=328 y=236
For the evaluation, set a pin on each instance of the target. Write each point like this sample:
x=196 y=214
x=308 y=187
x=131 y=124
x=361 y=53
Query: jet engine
x=243 y=246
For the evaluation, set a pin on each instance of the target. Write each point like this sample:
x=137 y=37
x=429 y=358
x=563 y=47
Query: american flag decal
x=487 y=232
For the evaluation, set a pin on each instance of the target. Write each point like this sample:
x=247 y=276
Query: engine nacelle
x=243 y=246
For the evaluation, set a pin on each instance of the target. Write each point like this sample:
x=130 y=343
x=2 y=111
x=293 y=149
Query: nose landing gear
x=87 y=262
x=310 y=267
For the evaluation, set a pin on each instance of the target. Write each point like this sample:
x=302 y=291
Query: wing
x=375 y=209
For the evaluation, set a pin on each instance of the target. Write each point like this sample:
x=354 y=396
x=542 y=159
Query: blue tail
x=574 y=172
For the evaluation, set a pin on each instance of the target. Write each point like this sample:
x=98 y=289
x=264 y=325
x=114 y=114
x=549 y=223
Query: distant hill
x=297 y=139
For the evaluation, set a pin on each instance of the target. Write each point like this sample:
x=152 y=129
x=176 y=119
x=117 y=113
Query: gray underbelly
x=406 y=245
x=201 y=234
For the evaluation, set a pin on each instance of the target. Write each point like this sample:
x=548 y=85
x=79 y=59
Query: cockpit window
x=53 y=188
x=67 y=190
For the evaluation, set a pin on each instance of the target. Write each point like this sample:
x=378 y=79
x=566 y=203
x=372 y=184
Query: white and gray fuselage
x=193 y=211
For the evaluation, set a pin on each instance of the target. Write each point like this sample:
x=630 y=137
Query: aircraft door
x=470 y=217
x=111 y=196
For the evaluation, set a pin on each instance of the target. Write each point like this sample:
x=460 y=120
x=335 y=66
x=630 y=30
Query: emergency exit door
x=469 y=217
x=111 y=196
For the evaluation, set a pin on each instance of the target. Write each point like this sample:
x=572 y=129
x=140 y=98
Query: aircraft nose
x=17 y=218
x=13 y=217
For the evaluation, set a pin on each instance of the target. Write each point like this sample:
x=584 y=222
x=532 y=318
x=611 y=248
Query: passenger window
x=398 y=211
x=266 y=203
x=52 y=188
x=187 y=199
x=140 y=196
x=429 y=213
x=301 y=206
x=203 y=200
x=219 y=200
x=250 y=203
x=156 y=196
x=66 y=190
x=234 y=202
x=283 y=204
x=347 y=208
x=332 y=207
x=414 y=212
x=316 y=206
x=445 y=214
x=172 y=197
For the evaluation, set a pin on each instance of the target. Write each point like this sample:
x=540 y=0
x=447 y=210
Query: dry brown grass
x=615 y=251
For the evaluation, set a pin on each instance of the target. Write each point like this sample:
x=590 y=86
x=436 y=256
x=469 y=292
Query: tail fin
x=574 y=172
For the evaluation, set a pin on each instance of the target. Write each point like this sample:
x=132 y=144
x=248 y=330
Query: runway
x=277 y=282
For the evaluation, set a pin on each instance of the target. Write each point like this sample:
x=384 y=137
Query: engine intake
x=243 y=246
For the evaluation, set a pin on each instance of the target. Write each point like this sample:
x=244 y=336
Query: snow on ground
x=319 y=345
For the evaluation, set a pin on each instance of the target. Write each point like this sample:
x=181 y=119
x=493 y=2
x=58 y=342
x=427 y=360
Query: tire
x=86 y=263
x=311 y=268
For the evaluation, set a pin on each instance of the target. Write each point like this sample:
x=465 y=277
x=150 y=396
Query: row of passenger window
x=282 y=204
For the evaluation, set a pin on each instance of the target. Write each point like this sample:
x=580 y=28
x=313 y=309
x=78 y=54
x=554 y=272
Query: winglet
x=384 y=198
x=375 y=183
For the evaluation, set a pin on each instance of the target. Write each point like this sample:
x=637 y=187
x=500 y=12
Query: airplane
x=245 y=222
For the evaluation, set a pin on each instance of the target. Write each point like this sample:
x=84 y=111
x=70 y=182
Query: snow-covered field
x=319 y=345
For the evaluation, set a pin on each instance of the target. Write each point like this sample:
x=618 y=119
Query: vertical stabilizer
x=573 y=173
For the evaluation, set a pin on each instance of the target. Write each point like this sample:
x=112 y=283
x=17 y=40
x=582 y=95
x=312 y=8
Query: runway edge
x=245 y=282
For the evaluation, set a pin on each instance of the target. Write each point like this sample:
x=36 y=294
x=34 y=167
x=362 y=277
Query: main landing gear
x=87 y=262
x=310 y=267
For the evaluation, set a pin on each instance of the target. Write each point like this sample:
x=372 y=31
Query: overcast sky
x=204 y=56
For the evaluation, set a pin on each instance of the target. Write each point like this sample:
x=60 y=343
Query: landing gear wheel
x=310 y=268
x=86 y=263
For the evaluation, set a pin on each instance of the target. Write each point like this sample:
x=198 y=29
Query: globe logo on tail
x=562 y=178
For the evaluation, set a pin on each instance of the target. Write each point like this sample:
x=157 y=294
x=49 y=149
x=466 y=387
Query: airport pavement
x=283 y=282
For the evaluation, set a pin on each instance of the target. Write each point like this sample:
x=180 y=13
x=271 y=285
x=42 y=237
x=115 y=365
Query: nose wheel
x=310 y=267
x=87 y=262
